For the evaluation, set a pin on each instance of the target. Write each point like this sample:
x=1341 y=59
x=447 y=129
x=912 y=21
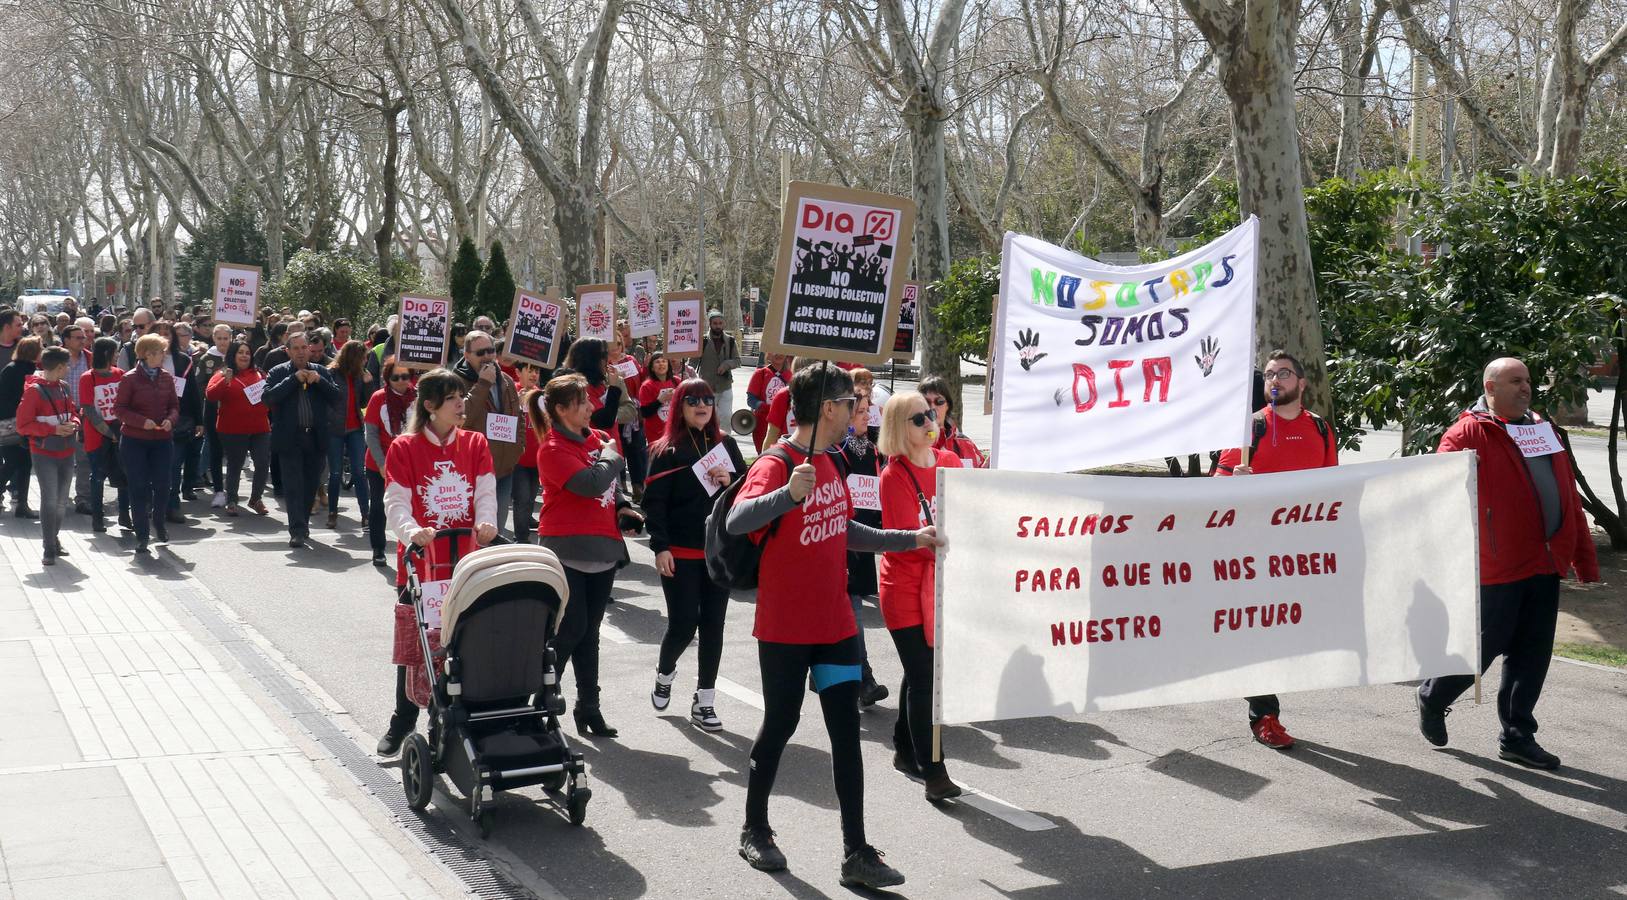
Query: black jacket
x=280 y=388
x=675 y=503
x=12 y=378
x=191 y=398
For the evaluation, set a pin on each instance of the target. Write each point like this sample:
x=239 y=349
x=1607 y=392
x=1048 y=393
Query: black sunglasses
x=699 y=401
x=489 y=351
x=921 y=418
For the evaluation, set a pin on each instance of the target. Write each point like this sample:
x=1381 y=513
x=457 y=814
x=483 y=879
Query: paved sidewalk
x=134 y=763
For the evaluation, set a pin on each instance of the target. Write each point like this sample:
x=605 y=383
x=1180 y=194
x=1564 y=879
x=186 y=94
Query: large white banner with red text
x=1060 y=595
x=1099 y=364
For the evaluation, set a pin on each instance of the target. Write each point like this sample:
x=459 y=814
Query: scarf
x=150 y=371
x=396 y=407
x=859 y=442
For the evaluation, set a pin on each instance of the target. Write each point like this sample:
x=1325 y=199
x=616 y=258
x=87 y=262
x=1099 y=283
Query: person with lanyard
x=347 y=439
x=1533 y=532
x=655 y=395
x=942 y=400
x=801 y=519
x=210 y=363
x=526 y=484
x=766 y=383
x=300 y=395
x=384 y=420
x=97 y=390
x=589 y=358
x=437 y=476
x=1287 y=438
x=46 y=417
x=242 y=425
x=862 y=466
x=581 y=522
x=15 y=465
x=189 y=427
x=493 y=409
x=147 y=407
x=909 y=488
x=75 y=341
x=677 y=500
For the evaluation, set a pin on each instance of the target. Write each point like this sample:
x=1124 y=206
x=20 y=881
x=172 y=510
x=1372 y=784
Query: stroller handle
x=415 y=550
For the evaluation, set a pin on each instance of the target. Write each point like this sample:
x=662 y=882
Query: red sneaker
x=1269 y=731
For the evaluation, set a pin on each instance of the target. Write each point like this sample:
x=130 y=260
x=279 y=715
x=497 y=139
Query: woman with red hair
x=677 y=500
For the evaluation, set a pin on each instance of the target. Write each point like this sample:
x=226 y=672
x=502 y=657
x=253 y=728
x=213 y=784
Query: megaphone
x=743 y=421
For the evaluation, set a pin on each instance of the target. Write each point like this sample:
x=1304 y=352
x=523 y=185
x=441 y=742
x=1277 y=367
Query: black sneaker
x=941 y=787
x=1431 y=722
x=1527 y=752
x=758 y=848
x=378 y=560
x=863 y=868
x=390 y=744
x=125 y=521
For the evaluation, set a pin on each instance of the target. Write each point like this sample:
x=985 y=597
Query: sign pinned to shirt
x=1536 y=440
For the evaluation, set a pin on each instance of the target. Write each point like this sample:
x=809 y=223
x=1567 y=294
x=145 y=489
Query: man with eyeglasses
x=1287 y=438
x=492 y=408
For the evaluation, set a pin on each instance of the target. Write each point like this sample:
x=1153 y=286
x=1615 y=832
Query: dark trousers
x=182 y=468
x=912 y=733
x=1263 y=705
x=637 y=452
x=301 y=468
x=578 y=638
x=217 y=457
x=146 y=471
x=1516 y=623
x=405 y=718
x=239 y=447
x=375 y=512
x=694 y=603
x=16 y=467
x=100 y=462
x=524 y=489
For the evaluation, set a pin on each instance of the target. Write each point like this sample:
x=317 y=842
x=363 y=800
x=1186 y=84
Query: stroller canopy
x=494 y=567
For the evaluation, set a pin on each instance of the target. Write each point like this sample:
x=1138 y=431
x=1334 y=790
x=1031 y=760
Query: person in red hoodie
x=1532 y=533
x=47 y=418
x=147 y=409
x=97 y=388
x=655 y=395
x=909 y=489
x=937 y=393
x=768 y=381
x=243 y=424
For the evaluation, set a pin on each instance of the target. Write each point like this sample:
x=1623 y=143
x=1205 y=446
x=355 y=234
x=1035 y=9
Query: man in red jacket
x=1532 y=533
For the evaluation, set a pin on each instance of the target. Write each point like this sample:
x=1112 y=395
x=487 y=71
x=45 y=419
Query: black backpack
x=732 y=559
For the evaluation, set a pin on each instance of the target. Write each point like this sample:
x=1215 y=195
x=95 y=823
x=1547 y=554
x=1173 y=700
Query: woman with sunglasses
x=385 y=418
x=909 y=486
x=941 y=399
x=677 y=500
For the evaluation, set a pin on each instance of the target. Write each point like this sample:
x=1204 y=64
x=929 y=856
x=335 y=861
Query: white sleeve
x=486 y=500
x=398 y=511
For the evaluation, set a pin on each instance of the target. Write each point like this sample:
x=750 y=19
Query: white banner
x=1099 y=364
x=1060 y=595
x=643 y=304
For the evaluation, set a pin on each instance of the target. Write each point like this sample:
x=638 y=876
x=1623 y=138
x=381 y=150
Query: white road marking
x=614 y=634
x=740 y=692
x=1005 y=812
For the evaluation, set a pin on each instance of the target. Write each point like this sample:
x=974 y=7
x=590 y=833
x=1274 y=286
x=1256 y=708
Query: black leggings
x=836 y=670
x=375 y=511
x=912 y=734
x=578 y=638
x=239 y=447
x=694 y=602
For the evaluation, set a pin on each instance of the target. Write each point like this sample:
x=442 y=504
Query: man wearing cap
x=719 y=358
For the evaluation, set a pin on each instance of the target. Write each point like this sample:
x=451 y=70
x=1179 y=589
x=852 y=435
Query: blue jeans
x=147 y=471
x=98 y=480
x=353 y=444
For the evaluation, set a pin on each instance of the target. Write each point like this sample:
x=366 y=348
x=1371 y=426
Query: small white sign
x=627 y=367
x=105 y=395
x=434 y=593
x=502 y=428
x=180 y=385
x=1536 y=440
x=717 y=457
x=255 y=392
x=865 y=491
x=878 y=399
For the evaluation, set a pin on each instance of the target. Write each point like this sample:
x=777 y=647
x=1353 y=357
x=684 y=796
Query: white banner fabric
x=1100 y=364
x=1060 y=595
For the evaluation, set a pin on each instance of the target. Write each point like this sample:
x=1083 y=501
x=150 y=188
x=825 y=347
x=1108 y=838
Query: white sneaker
x=662 y=695
x=219 y=502
x=701 y=712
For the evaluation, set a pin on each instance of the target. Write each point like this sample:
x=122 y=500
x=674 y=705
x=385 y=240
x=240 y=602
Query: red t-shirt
x=236 y=415
x=441 y=479
x=1288 y=445
x=962 y=446
x=375 y=416
x=352 y=421
x=767 y=382
x=564 y=512
x=780 y=414
x=89 y=393
x=656 y=426
x=908 y=586
x=596 y=398
x=802 y=592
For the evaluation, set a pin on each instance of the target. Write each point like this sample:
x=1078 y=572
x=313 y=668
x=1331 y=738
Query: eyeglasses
x=407 y=377
x=849 y=399
x=1280 y=374
x=699 y=401
x=921 y=418
x=489 y=351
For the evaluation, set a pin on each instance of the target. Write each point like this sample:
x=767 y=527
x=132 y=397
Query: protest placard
x=596 y=312
x=237 y=293
x=843 y=259
x=1539 y=439
x=1065 y=594
x=643 y=304
x=716 y=458
x=1098 y=364
x=425 y=331
x=683 y=323
x=908 y=310
x=534 y=334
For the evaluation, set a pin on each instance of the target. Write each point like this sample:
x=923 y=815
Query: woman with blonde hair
x=147 y=408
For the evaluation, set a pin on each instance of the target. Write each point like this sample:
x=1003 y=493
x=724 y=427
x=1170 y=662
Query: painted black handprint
x=1027 y=344
x=1208 y=349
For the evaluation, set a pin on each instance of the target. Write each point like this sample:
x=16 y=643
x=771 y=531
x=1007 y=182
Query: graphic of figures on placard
x=536 y=322
x=840 y=275
x=425 y=325
x=904 y=338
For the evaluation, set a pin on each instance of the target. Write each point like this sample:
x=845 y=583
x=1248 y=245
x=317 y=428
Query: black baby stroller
x=493 y=698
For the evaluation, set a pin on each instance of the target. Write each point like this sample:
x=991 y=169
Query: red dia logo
x=879 y=223
x=598 y=319
x=646 y=306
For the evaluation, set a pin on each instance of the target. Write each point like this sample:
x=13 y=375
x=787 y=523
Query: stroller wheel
x=417 y=772
x=576 y=804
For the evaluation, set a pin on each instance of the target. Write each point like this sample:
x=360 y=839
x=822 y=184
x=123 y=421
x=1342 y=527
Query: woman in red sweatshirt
x=147 y=408
x=909 y=487
x=47 y=418
x=942 y=400
x=243 y=424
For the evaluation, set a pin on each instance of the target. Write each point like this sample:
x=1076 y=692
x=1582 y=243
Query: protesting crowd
x=149 y=420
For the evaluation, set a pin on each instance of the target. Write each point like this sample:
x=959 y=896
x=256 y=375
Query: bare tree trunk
x=384 y=238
